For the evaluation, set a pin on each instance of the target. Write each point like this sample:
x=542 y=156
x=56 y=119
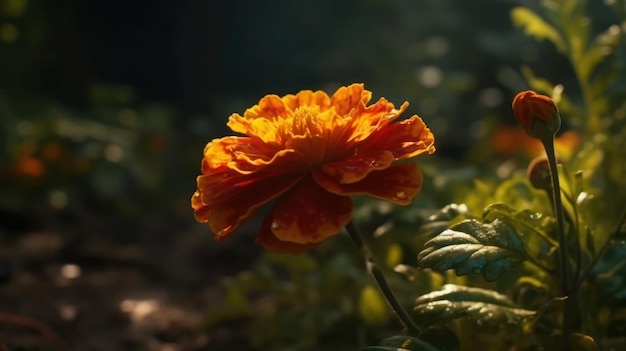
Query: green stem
x=559 y=214
x=570 y=304
x=378 y=275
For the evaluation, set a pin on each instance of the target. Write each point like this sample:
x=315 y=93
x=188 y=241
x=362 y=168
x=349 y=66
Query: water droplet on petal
x=275 y=225
x=401 y=195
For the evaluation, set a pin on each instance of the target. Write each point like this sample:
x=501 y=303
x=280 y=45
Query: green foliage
x=319 y=294
x=56 y=156
x=486 y=307
x=471 y=247
x=568 y=27
x=536 y=26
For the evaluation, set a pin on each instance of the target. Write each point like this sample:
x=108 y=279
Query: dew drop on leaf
x=535 y=215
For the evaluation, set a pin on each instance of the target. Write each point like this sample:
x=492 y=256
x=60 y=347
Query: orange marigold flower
x=310 y=152
x=513 y=141
x=538 y=114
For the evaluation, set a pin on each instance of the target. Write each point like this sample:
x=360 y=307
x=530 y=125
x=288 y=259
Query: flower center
x=305 y=121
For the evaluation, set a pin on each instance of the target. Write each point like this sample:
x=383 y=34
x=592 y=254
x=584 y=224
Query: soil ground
x=83 y=283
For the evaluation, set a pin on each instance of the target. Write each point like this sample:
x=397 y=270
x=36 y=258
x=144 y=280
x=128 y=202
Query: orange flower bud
x=538 y=114
x=539 y=173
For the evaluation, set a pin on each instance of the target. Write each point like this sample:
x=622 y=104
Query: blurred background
x=105 y=107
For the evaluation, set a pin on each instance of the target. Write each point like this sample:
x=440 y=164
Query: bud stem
x=564 y=268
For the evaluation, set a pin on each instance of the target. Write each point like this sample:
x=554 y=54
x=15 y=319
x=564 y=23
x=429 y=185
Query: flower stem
x=559 y=214
x=564 y=269
x=378 y=275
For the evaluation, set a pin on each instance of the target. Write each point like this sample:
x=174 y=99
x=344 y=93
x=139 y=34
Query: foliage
x=119 y=150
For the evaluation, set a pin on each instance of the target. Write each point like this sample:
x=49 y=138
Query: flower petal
x=398 y=183
x=358 y=167
x=392 y=142
x=405 y=139
x=247 y=155
x=269 y=108
x=307 y=98
x=309 y=214
x=225 y=203
x=271 y=242
x=370 y=119
x=345 y=99
x=236 y=152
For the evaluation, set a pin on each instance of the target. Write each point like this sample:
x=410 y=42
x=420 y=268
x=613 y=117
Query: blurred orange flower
x=512 y=141
x=30 y=166
x=310 y=152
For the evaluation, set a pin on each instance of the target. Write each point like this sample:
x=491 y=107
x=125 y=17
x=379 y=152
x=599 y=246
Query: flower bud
x=538 y=114
x=539 y=173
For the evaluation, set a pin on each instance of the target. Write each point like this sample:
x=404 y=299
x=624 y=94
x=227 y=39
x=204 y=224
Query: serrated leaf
x=485 y=307
x=533 y=228
x=535 y=26
x=472 y=248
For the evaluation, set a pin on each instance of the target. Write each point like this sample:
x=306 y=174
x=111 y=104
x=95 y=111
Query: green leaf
x=472 y=248
x=600 y=48
x=535 y=26
x=533 y=228
x=487 y=308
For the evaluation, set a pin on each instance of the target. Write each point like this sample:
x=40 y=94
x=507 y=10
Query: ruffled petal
x=354 y=169
x=226 y=202
x=405 y=139
x=309 y=214
x=248 y=155
x=259 y=117
x=267 y=239
x=242 y=153
x=348 y=98
x=398 y=183
x=307 y=98
x=368 y=120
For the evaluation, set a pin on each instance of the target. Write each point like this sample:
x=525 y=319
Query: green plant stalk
x=559 y=213
x=602 y=251
x=378 y=275
x=570 y=307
